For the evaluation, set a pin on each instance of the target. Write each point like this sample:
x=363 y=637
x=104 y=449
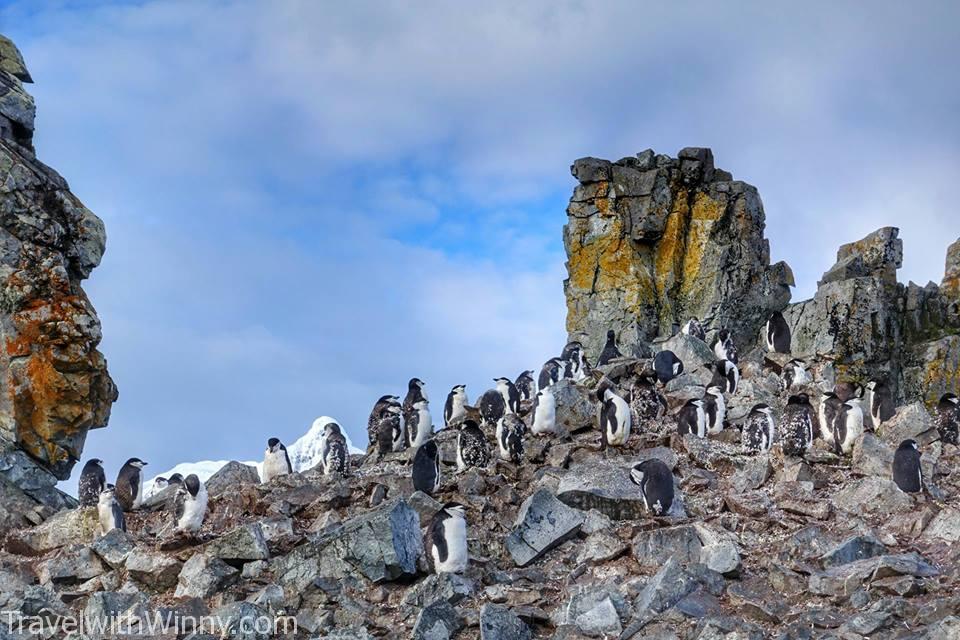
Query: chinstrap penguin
x=724 y=347
x=544 y=413
x=511 y=396
x=610 y=350
x=276 y=462
x=526 y=385
x=377 y=414
x=615 y=416
x=109 y=511
x=714 y=408
x=694 y=329
x=447 y=539
x=795 y=374
x=416 y=391
x=758 y=429
x=829 y=408
x=645 y=401
x=777 y=334
x=492 y=407
x=472 y=447
x=426 y=467
x=333 y=450
x=455 y=406
x=576 y=364
x=692 y=419
x=551 y=373
x=419 y=423
x=948 y=418
x=881 y=403
x=510 y=434
x=667 y=365
x=907 y=472
x=796 y=425
x=389 y=431
x=129 y=486
x=726 y=375
x=656 y=485
x=190 y=504
x=92 y=482
x=847 y=426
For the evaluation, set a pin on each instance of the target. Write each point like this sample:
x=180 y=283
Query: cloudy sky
x=308 y=203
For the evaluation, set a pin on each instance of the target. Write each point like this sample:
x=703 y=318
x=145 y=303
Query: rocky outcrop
x=653 y=240
x=54 y=384
x=871 y=326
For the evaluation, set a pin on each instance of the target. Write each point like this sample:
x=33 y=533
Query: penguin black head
x=388 y=399
x=332 y=428
x=455 y=509
x=108 y=492
x=800 y=398
x=909 y=444
x=470 y=424
x=505 y=381
x=611 y=336
x=761 y=407
x=829 y=395
x=135 y=462
x=458 y=388
x=274 y=444
x=192 y=484
x=415 y=383
x=175 y=479
x=714 y=390
x=723 y=335
x=526 y=375
x=949 y=398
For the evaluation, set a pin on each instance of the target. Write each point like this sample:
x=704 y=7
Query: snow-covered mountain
x=304 y=454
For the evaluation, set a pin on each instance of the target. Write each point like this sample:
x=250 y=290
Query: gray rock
x=910 y=421
x=872 y=495
x=381 y=545
x=230 y=477
x=944 y=526
x=693 y=352
x=243 y=544
x=154 y=570
x=499 y=623
x=67 y=527
x=11 y=61
x=606 y=486
x=114 y=547
x=437 y=621
x=450 y=587
x=245 y=621
x=203 y=576
x=106 y=605
x=575 y=409
x=720 y=551
x=853 y=549
x=845 y=579
x=70 y=566
x=542 y=523
x=873 y=457
x=682 y=543
x=425 y=506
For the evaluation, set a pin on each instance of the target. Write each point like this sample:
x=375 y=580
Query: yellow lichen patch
x=705 y=212
x=670 y=248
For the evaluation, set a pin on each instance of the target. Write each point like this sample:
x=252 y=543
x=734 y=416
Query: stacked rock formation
x=54 y=384
x=653 y=240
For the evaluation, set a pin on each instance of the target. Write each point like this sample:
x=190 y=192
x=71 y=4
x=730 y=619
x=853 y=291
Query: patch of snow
x=304 y=454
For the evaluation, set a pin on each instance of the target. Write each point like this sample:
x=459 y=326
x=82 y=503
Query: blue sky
x=309 y=203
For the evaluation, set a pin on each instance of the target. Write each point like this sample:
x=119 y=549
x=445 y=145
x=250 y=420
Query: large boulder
x=653 y=240
x=54 y=381
x=542 y=523
x=381 y=545
x=231 y=476
x=607 y=487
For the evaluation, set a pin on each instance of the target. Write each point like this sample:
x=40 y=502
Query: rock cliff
x=872 y=327
x=653 y=240
x=54 y=384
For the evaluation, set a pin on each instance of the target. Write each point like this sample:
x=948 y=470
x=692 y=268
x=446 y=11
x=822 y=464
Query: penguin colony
x=505 y=411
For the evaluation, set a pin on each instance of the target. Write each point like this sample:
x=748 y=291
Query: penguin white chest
x=424 y=426
x=194 y=510
x=455 y=535
x=274 y=464
x=623 y=418
x=105 y=513
x=138 y=500
x=545 y=419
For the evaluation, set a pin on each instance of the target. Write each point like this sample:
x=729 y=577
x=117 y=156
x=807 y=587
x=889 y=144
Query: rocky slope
x=54 y=384
x=561 y=546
